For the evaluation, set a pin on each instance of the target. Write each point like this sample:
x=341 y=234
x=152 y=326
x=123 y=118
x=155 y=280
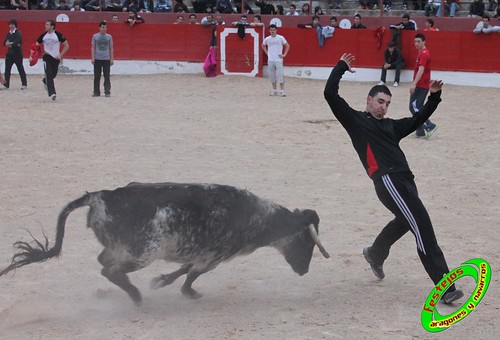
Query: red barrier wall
x=451 y=51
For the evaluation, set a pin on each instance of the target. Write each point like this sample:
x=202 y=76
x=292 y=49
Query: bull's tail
x=37 y=251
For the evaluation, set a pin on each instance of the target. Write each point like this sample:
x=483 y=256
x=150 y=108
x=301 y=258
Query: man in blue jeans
x=420 y=86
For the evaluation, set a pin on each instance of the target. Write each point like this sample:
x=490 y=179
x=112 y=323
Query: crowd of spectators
x=476 y=8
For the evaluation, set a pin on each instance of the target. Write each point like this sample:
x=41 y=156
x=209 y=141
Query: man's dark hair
x=357 y=15
x=333 y=18
x=391 y=44
x=103 y=23
x=430 y=21
x=272 y=26
x=420 y=35
x=315 y=17
x=379 y=88
x=52 y=23
x=258 y=17
x=486 y=16
x=406 y=16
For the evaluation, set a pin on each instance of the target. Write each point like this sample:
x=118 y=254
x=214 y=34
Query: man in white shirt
x=273 y=47
x=293 y=10
x=51 y=40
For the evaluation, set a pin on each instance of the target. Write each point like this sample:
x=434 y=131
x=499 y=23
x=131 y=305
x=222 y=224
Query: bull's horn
x=316 y=240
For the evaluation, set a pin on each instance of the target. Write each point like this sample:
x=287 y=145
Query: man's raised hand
x=348 y=58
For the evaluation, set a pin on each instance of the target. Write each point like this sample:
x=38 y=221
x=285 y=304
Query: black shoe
x=449 y=297
x=377 y=269
x=107 y=95
x=96 y=94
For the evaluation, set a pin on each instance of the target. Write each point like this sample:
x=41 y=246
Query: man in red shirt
x=420 y=86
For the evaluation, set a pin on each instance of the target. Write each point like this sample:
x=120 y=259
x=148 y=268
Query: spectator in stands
x=208 y=20
x=18 y=4
x=47 y=4
x=357 y=22
x=492 y=5
x=248 y=9
x=199 y=6
x=431 y=7
x=114 y=19
x=112 y=5
x=145 y=6
x=484 y=26
x=179 y=20
x=334 y=22
x=130 y=5
x=224 y=6
x=293 y=10
x=313 y=24
x=365 y=4
x=257 y=21
x=405 y=24
x=306 y=10
x=163 y=6
x=434 y=6
x=497 y=13
x=134 y=18
x=476 y=9
x=93 y=5
x=337 y=6
x=77 y=7
x=318 y=11
x=387 y=5
x=265 y=7
x=180 y=7
x=280 y=10
x=63 y=6
x=243 y=21
x=429 y=26
x=393 y=60
x=416 y=5
x=193 y=19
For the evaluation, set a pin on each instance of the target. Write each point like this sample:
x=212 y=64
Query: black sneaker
x=421 y=133
x=377 y=269
x=96 y=94
x=430 y=131
x=449 y=297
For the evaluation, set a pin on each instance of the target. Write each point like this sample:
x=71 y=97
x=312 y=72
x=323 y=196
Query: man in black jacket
x=13 y=41
x=376 y=140
x=393 y=60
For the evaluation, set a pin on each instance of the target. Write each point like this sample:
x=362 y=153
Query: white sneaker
x=273 y=93
x=53 y=97
x=381 y=83
x=283 y=93
x=396 y=84
x=24 y=87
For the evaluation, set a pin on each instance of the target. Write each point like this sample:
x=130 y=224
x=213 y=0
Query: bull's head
x=299 y=248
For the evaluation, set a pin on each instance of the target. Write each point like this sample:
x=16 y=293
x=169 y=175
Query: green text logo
x=434 y=322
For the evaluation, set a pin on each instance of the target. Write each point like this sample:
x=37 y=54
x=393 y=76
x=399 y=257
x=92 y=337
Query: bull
x=196 y=225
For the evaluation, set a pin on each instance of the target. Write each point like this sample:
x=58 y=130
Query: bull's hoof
x=161 y=281
x=190 y=293
x=136 y=297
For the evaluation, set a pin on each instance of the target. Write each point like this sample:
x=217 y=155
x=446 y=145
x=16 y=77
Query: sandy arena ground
x=187 y=128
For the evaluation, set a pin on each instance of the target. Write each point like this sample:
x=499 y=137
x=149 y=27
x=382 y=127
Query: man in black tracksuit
x=13 y=41
x=376 y=140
